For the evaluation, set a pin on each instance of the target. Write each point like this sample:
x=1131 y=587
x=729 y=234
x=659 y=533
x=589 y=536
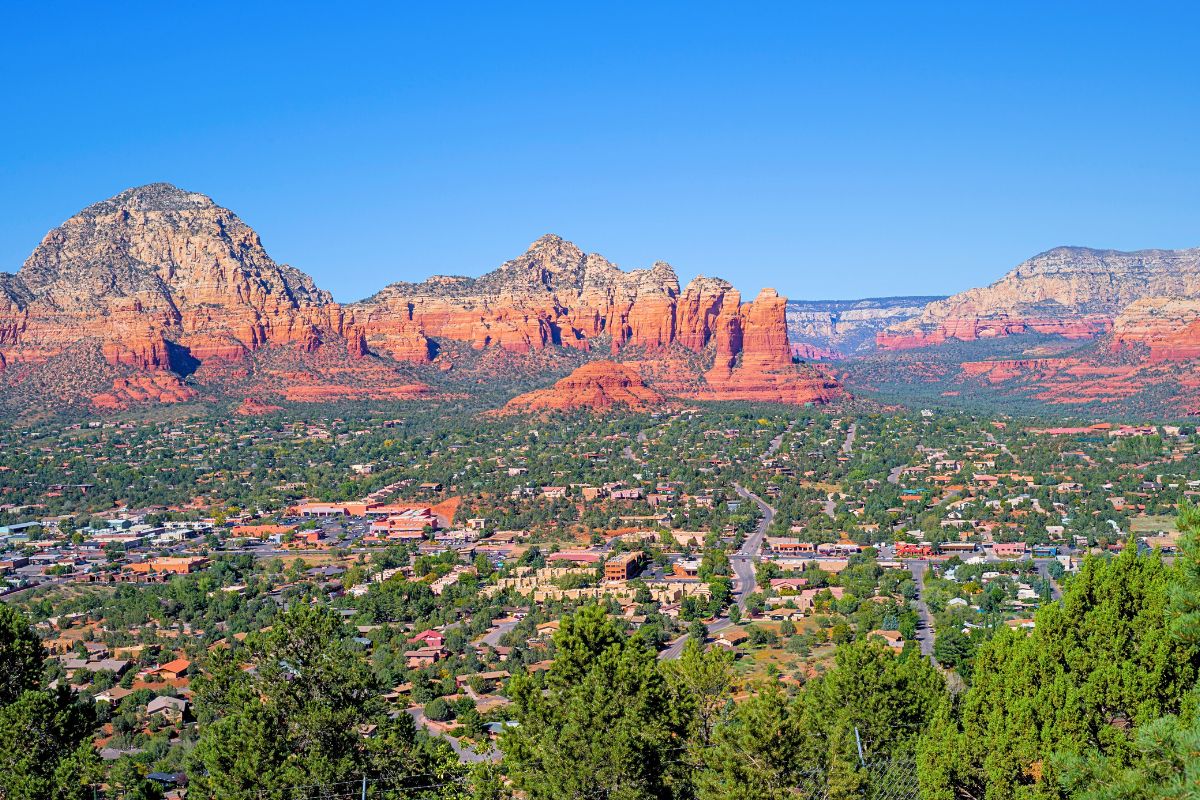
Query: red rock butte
x=164 y=281
x=595 y=386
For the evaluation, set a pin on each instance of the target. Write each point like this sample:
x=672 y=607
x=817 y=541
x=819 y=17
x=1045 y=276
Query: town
x=452 y=552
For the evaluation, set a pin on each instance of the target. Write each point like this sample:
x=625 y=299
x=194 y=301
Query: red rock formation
x=156 y=270
x=1073 y=292
x=157 y=387
x=754 y=360
x=252 y=407
x=596 y=386
x=555 y=295
x=970 y=329
x=1169 y=327
x=811 y=352
x=164 y=280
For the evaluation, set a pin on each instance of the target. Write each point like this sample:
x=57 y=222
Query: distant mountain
x=1074 y=292
x=843 y=328
x=159 y=294
x=1104 y=331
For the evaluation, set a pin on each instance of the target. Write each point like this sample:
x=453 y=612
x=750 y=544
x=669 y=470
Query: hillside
x=844 y=328
x=161 y=295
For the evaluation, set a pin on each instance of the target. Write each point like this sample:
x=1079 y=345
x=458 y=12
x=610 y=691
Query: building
x=686 y=568
x=170 y=708
x=623 y=566
x=1008 y=549
x=174 y=670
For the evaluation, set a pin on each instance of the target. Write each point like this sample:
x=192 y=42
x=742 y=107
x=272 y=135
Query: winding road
x=466 y=754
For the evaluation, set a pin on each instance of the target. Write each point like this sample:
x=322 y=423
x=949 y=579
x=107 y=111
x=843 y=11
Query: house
x=893 y=638
x=788 y=584
x=429 y=638
x=174 y=670
x=170 y=708
x=113 y=696
x=114 y=665
x=487 y=677
x=1008 y=549
x=732 y=637
x=423 y=657
x=807 y=598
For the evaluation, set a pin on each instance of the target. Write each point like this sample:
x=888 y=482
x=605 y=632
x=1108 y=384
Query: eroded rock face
x=831 y=329
x=754 y=359
x=1073 y=292
x=158 y=275
x=596 y=386
x=551 y=295
x=161 y=280
x=1168 y=326
x=556 y=295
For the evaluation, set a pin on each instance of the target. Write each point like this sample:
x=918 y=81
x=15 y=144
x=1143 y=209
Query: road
x=675 y=649
x=894 y=475
x=743 y=567
x=773 y=447
x=830 y=507
x=1003 y=447
x=925 y=623
x=743 y=560
x=848 y=445
x=492 y=639
x=467 y=755
x=628 y=451
x=1043 y=568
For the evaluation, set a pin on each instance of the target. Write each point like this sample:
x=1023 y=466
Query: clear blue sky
x=829 y=150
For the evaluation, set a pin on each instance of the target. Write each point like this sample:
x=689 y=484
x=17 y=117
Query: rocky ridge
x=166 y=282
x=835 y=329
x=1072 y=292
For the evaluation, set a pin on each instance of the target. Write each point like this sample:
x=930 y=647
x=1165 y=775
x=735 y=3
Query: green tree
x=297 y=718
x=604 y=724
x=1096 y=665
x=438 y=710
x=44 y=746
x=21 y=655
x=1163 y=766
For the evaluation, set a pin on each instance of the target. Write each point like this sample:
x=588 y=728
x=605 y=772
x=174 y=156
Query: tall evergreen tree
x=1096 y=665
x=602 y=725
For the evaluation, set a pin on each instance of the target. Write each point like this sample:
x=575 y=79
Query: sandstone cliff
x=826 y=329
x=160 y=278
x=596 y=386
x=556 y=295
x=161 y=281
x=1073 y=292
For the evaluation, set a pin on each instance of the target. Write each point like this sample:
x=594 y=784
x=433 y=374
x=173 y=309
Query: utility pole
x=364 y=787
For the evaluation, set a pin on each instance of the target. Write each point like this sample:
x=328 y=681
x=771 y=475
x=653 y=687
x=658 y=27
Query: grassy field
x=1162 y=522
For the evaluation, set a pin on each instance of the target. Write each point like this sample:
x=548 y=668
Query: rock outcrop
x=166 y=282
x=1072 y=292
x=829 y=329
x=754 y=359
x=595 y=386
x=1169 y=327
x=161 y=278
x=555 y=295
